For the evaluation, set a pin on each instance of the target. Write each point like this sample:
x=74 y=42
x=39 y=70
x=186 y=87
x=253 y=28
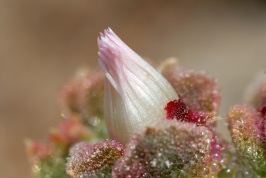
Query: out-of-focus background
x=43 y=43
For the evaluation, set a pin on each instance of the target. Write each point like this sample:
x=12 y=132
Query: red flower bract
x=178 y=110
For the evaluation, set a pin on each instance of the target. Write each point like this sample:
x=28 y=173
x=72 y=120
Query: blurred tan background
x=43 y=43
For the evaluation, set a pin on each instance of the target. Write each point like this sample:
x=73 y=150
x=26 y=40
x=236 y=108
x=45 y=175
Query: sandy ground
x=43 y=43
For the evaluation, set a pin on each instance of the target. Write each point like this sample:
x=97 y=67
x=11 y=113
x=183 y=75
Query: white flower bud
x=135 y=93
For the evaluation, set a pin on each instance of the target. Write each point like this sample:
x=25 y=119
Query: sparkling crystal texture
x=245 y=124
x=170 y=149
x=93 y=160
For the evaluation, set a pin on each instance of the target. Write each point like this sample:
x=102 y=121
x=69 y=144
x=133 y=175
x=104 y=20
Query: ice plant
x=83 y=96
x=169 y=149
x=163 y=124
x=48 y=158
x=135 y=93
x=247 y=125
x=93 y=160
x=197 y=90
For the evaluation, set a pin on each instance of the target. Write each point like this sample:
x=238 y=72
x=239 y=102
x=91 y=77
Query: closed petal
x=135 y=93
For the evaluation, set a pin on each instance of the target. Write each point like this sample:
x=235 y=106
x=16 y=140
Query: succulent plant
x=49 y=158
x=247 y=125
x=93 y=160
x=161 y=123
x=170 y=149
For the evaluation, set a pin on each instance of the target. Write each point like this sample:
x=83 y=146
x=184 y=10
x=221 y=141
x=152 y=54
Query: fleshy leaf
x=93 y=160
x=244 y=124
x=48 y=157
x=84 y=96
x=198 y=91
x=171 y=149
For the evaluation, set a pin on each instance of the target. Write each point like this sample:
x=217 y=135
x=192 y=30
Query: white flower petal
x=135 y=93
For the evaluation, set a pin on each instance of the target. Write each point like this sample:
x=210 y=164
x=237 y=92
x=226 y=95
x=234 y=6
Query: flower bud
x=135 y=93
